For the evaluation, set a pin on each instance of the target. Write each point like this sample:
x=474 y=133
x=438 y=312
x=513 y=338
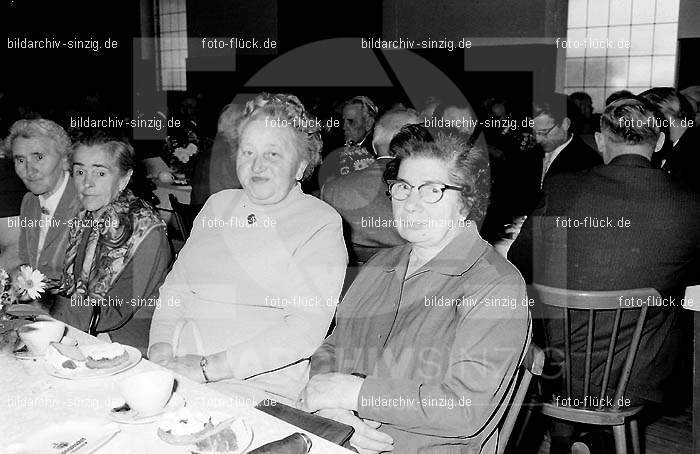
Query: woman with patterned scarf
x=117 y=254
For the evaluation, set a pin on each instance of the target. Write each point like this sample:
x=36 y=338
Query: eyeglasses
x=545 y=132
x=428 y=192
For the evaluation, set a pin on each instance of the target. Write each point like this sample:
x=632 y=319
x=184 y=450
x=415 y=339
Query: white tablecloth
x=31 y=400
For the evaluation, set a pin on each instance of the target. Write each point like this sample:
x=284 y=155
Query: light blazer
x=50 y=260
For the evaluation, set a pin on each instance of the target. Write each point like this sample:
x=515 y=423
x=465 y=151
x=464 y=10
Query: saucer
x=176 y=402
x=23 y=353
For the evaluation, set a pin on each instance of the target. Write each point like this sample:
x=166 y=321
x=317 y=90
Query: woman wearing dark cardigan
x=118 y=253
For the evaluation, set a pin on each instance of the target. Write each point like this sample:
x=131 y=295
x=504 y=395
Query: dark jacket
x=683 y=163
x=360 y=198
x=575 y=156
x=637 y=228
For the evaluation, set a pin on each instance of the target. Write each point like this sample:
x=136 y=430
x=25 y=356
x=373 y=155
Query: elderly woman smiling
x=117 y=254
x=253 y=292
x=409 y=374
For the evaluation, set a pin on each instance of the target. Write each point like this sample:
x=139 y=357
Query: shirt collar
x=630 y=160
x=551 y=157
x=453 y=260
x=51 y=202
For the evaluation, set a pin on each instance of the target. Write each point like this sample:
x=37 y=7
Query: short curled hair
x=632 y=121
x=467 y=165
x=39 y=128
x=119 y=148
x=307 y=132
x=671 y=103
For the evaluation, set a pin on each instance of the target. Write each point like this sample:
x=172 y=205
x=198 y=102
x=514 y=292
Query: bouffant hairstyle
x=291 y=112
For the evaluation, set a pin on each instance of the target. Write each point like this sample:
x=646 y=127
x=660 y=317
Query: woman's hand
x=366 y=439
x=187 y=366
x=334 y=390
x=160 y=353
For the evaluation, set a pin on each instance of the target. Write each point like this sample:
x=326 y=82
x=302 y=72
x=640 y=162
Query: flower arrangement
x=27 y=285
x=182 y=145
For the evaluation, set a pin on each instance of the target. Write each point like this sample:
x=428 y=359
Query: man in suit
x=360 y=197
x=553 y=126
x=681 y=155
x=617 y=226
x=359 y=115
x=40 y=153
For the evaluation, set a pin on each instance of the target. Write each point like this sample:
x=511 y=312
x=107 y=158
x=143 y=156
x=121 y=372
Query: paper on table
x=73 y=437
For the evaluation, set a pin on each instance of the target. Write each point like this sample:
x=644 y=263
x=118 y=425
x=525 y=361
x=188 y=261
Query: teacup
x=38 y=335
x=147 y=393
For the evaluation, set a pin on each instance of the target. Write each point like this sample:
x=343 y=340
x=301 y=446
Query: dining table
x=32 y=400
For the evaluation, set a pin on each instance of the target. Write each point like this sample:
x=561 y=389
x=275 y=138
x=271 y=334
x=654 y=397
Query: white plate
x=134 y=358
x=176 y=402
x=244 y=436
x=75 y=437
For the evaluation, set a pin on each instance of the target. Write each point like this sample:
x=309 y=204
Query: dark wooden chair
x=184 y=215
x=532 y=364
x=593 y=303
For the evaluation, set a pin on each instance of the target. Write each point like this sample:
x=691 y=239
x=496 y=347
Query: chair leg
x=526 y=421
x=620 y=439
x=634 y=433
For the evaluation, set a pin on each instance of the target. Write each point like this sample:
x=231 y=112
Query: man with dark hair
x=554 y=117
x=588 y=123
x=622 y=225
x=680 y=155
x=361 y=199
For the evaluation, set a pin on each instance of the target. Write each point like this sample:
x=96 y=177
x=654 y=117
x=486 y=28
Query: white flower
x=30 y=282
x=4 y=277
x=181 y=154
x=191 y=149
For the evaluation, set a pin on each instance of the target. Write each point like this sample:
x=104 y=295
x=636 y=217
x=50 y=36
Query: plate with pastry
x=205 y=434
x=90 y=361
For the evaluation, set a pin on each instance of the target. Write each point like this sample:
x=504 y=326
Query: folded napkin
x=332 y=431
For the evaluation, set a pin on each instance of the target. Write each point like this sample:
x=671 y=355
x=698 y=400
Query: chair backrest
x=591 y=303
x=184 y=215
x=173 y=253
x=532 y=364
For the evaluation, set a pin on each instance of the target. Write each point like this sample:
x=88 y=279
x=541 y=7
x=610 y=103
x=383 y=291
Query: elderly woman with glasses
x=430 y=334
x=253 y=292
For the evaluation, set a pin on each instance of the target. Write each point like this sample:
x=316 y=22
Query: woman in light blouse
x=252 y=294
x=430 y=334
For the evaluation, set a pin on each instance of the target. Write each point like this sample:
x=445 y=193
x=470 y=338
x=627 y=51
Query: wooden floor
x=670 y=434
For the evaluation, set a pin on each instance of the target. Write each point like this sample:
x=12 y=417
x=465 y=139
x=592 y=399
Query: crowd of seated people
x=404 y=209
